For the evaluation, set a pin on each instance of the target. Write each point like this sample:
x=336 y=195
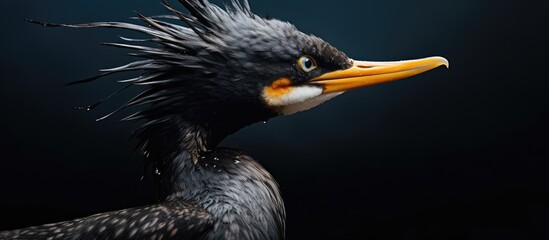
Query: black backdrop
x=451 y=154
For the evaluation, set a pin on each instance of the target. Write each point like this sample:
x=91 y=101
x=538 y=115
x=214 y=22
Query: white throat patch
x=297 y=99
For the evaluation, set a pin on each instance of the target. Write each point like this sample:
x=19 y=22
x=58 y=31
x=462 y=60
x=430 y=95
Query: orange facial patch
x=278 y=88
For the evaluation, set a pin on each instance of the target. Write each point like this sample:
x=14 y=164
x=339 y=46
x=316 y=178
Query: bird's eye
x=306 y=63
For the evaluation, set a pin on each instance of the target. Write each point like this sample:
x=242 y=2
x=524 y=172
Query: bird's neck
x=243 y=198
x=241 y=195
x=174 y=150
x=174 y=142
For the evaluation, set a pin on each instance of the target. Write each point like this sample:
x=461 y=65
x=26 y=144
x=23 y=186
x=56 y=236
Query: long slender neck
x=175 y=142
x=172 y=147
x=241 y=195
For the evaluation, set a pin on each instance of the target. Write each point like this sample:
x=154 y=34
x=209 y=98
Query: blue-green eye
x=306 y=63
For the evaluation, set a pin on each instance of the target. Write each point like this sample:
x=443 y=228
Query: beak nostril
x=364 y=66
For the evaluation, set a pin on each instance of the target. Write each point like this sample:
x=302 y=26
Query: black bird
x=219 y=71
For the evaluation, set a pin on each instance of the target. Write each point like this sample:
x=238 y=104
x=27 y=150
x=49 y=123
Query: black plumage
x=226 y=195
x=206 y=75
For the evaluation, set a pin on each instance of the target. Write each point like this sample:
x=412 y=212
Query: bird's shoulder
x=166 y=220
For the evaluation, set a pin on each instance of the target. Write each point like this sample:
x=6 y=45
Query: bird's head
x=242 y=61
x=217 y=70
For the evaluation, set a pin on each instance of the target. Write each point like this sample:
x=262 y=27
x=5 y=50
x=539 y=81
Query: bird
x=205 y=73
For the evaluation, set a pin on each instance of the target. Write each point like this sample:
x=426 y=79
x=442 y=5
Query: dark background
x=450 y=154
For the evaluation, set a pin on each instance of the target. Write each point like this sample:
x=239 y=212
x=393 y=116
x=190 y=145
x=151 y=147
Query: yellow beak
x=363 y=73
